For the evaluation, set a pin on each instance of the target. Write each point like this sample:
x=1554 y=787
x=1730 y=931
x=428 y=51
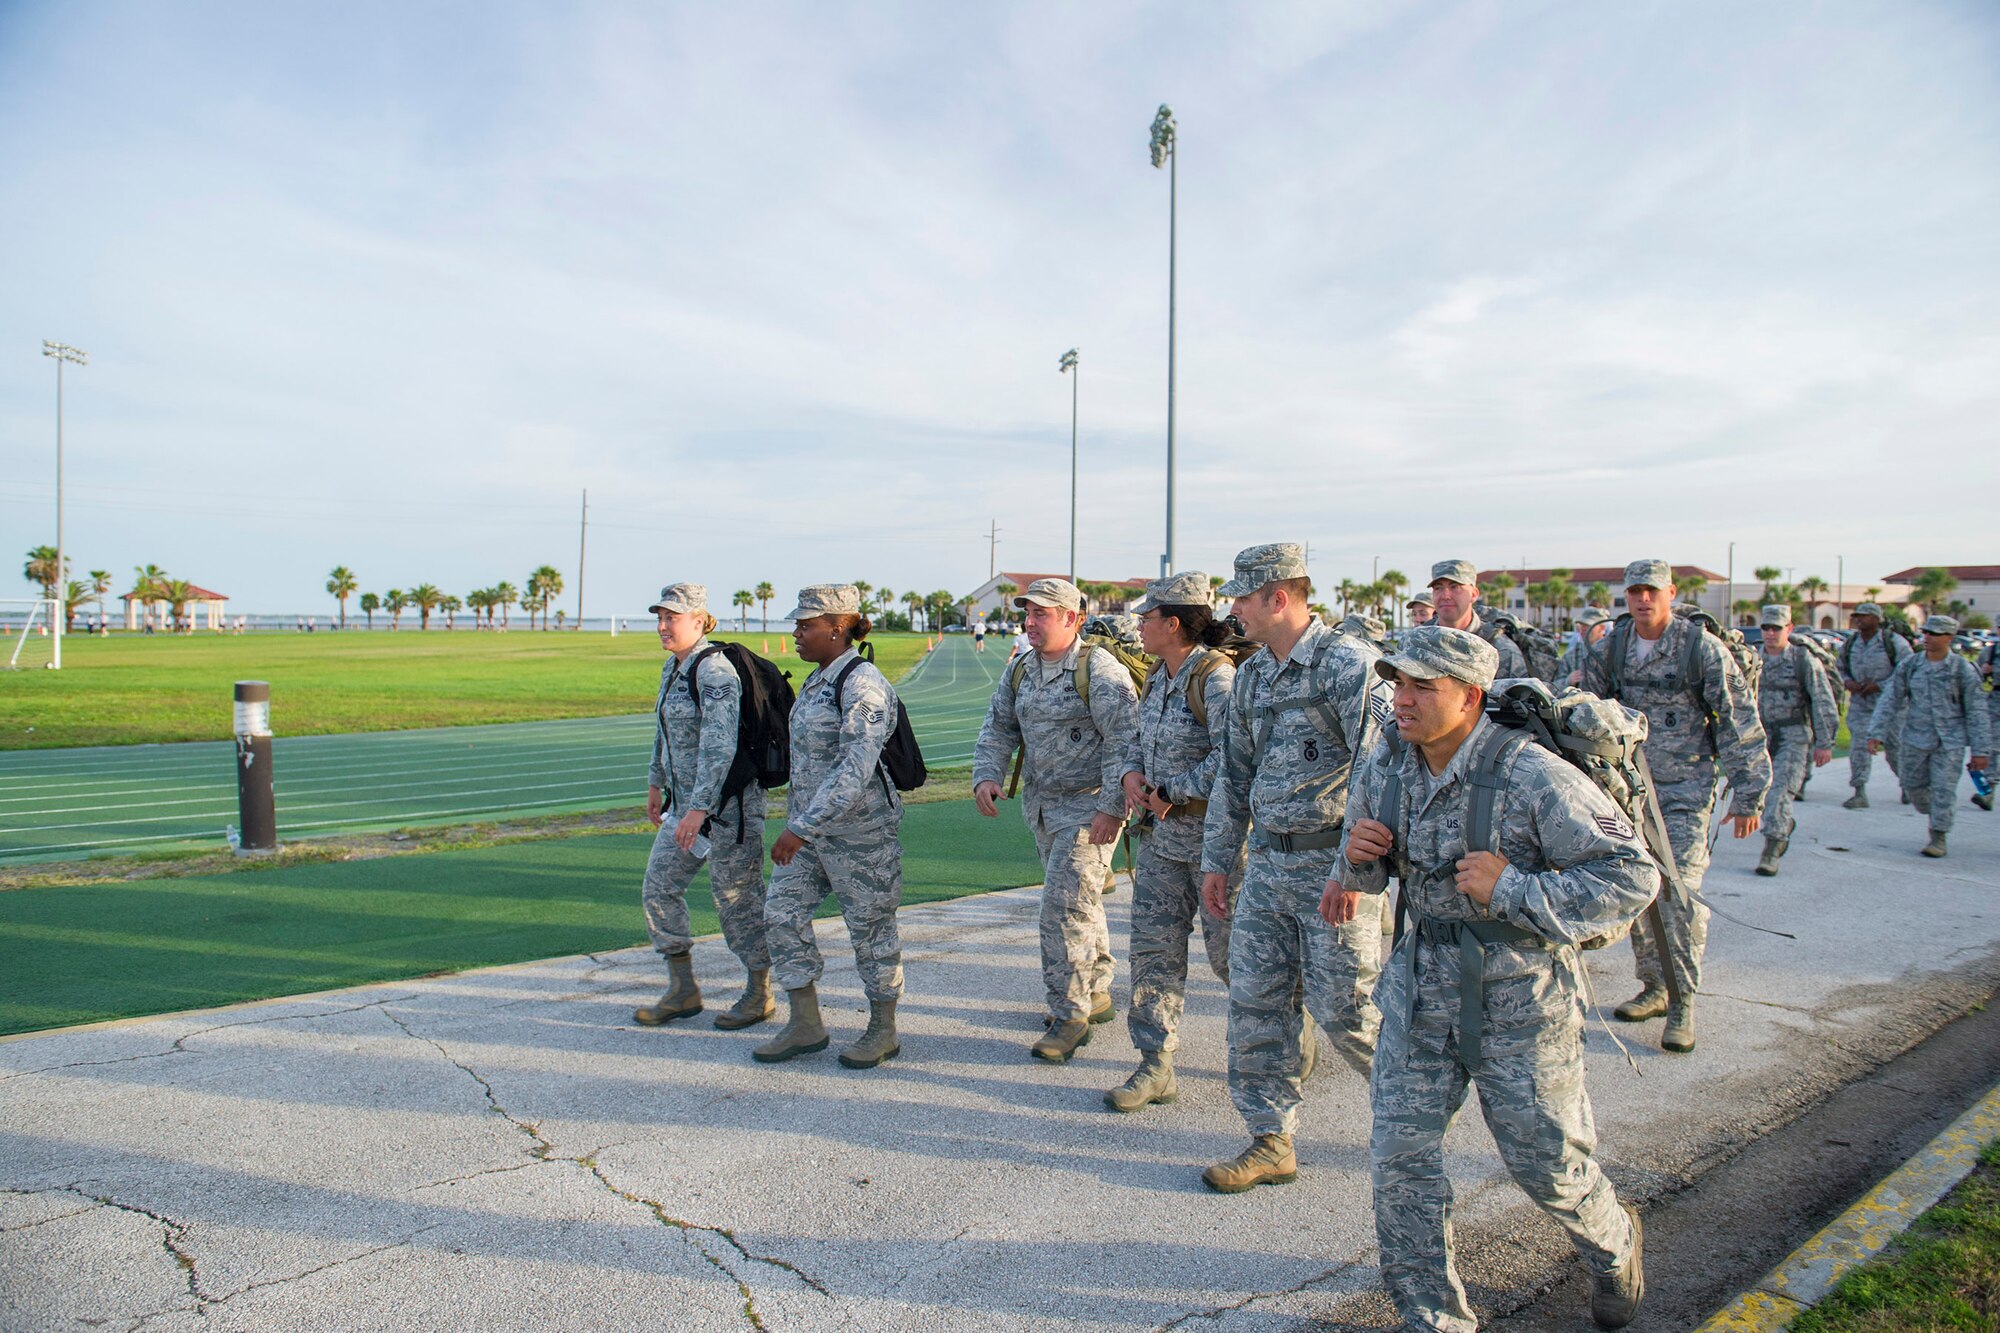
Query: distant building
x=1713 y=597
x=1978 y=585
x=203 y=607
x=987 y=597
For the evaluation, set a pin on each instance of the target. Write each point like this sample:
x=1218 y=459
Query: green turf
x=131 y=688
x=83 y=954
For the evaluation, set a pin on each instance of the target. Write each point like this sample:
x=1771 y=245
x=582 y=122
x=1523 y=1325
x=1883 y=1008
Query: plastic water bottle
x=700 y=847
x=1982 y=782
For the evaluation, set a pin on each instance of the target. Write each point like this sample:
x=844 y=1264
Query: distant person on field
x=694 y=742
x=979 y=636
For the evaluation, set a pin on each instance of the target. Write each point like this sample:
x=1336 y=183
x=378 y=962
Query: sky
x=785 y=288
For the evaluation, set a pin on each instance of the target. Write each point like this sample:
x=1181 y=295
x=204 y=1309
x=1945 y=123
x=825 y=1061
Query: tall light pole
x=1068 y=364
x=1166 y=152
x=61 y=352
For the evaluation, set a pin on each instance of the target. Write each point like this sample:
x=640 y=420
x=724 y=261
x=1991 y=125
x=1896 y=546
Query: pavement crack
x=173 y=1238
x=1765 y=1004
x=1218 y=1311
x=179 y=1044
x=543 y=1150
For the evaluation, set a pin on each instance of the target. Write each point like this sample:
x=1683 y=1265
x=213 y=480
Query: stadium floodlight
x=1064 y=367
x=61 y=352
x=1166 y=153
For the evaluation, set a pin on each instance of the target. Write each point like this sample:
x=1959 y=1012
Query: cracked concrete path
x=506 y=1149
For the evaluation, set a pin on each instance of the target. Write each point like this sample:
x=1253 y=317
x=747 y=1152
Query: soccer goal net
x=30 y=633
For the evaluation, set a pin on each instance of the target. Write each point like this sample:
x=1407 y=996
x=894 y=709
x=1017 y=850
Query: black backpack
x=902 y=761
x=763 y=724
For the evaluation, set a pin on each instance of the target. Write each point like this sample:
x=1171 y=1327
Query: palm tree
x=742 y=599
x=505 y=595
x=861 y=589
x=1598 y=594
x=393 y=601
x=1006 y=592
x=941 y=603
x=74 y=595
x=100 y=584
x=41 y=568
x=1811 y=589
x=1932 y=587
x=340 y=582
x=765 y=592
x=545 y=585
x=1770 y=574
x=426 y=597
x=885 y=598
x=1346 y=592
x=1691 y=588
x=370 y=604
x=914 y=601
x=176 y=593
x=1500 y=585
x=451 y=606
x=1394 y=581
x=1745 y=607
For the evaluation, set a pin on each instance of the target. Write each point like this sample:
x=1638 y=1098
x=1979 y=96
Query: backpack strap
x=694 y=669
x=1389 y=803
x=1615 y=645
x=1323 y=716
x=839 y=685
x=1197 y=682
x=1487 y=778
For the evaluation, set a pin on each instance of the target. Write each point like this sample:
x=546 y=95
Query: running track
x=58 y=804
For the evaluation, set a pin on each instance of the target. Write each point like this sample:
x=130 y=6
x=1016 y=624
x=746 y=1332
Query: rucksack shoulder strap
x=840 y=683
x=1197 y=682
x=694 y=669
x=1082 y=674
x=1486 y=778
x=1616 y=644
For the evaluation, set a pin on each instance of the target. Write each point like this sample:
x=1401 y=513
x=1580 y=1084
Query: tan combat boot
x=1152 y=1082
x=879 y=1042
x=1648 y=1003
x=1100 y=1010
x=1935 y=847
x=1767 y=864
x=1615 y=1302
x=754 y=1006
x=1061 y=1041
x=1268 y=1160
x=1858 y=801
x=682 y=1000
x=802 y=1034
x=1678 y=1035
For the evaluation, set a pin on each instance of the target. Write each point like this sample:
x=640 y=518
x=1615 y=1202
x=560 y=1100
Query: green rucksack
x=1096 y=634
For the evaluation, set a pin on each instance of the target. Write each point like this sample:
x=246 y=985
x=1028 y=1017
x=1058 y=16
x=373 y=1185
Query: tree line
x=543 y=585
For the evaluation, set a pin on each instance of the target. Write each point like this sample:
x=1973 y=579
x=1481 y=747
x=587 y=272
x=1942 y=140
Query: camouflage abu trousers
x=1279 y=948
x=866 y=874
x=1790 y=747
x=1859 y=762
x=1531 y=1093
x=1931 y=778
x=1076 y=944
x=1689 y=808
x=735 y=881
x=1166 y=899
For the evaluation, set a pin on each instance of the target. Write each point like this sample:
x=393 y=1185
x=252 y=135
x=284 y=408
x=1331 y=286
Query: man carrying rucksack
x=1302 y=710
x=1485 y=983
x=1946 y=716
x=1795 y=703
x=1867 y=659
x=1072 y=710
x=1701 y=717
x=1455 y=589
x=1591 y=627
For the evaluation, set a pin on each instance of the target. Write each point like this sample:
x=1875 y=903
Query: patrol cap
x=1455 y=571
x=1059 y=593
x=1940 y=625
x=1649 y=574
x=1423 y=598
x=1776 y=617
x=1430 y=651
x=1868 y=609
x=1190 y=587
x=684 y=597
x=1259 y=565
x=826 y=599
x=1592 y=615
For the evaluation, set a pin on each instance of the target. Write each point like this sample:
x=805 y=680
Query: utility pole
x=1069 y=363
x=1729 y=586
x=582 y=537
x=992 y=549
x=1166 y=152
x=61 y=352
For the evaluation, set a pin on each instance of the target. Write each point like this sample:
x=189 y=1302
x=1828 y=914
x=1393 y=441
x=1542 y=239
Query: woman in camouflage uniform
x=701 y=698
x=842 y=824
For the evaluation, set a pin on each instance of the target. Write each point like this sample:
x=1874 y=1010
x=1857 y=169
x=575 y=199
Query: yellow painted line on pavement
x=1864 y=1230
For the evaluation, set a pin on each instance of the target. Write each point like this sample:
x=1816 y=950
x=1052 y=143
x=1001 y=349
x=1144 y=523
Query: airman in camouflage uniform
x=700 y=698
x=1302 y=709
x=1801 y=718
x=1689 y=732
x=1182 y=712
x=1455 y=589
x=1866 y=660
x=842 y=822
x=1077 y=751
x=1367 y=628
x=1946 y=716
x=1485 y=983
x=1422 y=608
x=1591 y=626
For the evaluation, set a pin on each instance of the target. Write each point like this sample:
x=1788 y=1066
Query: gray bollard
x=256 y=807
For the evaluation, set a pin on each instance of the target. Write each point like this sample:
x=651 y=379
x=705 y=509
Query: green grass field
x=84 y=953
x=131 y=689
